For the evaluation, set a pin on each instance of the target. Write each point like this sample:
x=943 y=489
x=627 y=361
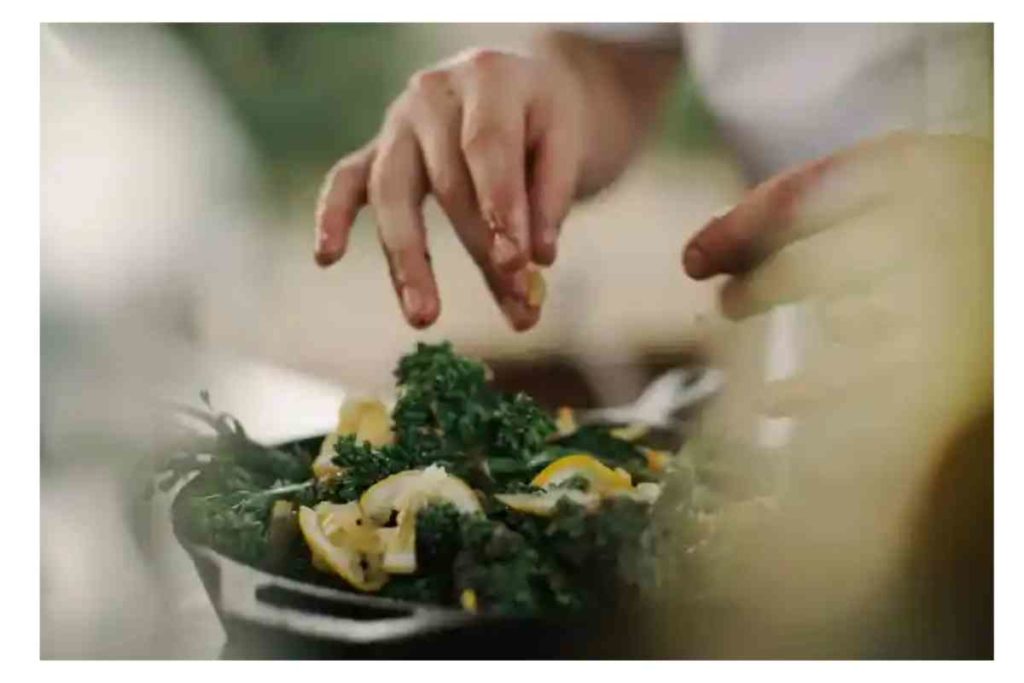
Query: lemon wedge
x=395 y=493
x=602 y=478
x=367 y=419
x=543 y=504
x=406 y=493
x=344 y=525
x=400 y=547
x=388 y=495
x=323 y=465
x=361 y=571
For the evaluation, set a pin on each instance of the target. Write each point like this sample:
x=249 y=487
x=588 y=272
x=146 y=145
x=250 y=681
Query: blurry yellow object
x=543 y=504
x=565 y=421
x=602 y=478
x=400 y=547
x=630 y=432
x=537 y=289
x=367 y=419
x=398 y=491
x=657 y=461
x=406 y=493
x=378 y=501
x=345 y=524
x=323 y=465
x=362 y=571
x=468 y=600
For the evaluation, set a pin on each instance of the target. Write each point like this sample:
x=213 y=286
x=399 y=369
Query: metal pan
x=268 y=616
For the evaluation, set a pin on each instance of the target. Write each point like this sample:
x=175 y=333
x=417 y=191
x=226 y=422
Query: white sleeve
x=664 y=35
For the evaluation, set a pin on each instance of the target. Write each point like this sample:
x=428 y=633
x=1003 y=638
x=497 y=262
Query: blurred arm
x=624 y=85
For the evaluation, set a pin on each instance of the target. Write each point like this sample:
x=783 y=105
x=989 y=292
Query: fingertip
x=521 y=316
x=421 y=309
x=545 y=247
x=325 y=259
x=696 y=262
x=544 y=255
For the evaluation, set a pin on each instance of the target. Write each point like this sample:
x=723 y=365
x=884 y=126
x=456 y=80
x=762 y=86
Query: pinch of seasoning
x=536 y=289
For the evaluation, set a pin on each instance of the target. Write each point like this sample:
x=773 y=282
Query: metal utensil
x=663 y=401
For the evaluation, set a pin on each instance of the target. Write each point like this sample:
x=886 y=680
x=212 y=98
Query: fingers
x=435 y=119
x=493 y=143
x=397 y=186
x=735 y=241
x=809 y=198
x=341 y=196
x=552 y=185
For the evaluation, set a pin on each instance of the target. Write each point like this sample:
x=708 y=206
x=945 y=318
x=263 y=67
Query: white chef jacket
x=785 y=93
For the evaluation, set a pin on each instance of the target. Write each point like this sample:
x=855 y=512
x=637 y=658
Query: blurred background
x=180 y=166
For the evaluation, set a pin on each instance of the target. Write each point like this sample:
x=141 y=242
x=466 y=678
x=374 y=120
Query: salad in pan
x=458 y=495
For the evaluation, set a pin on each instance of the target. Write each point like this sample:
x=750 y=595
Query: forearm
x=623 y=86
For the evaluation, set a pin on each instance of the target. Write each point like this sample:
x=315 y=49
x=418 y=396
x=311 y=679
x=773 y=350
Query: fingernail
x=696 y=263
x=503 y=249
x=326 y=252
x=412 y=302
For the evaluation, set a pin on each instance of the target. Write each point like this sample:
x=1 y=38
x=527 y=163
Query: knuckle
x=485 y=59
x=348 y=173
x=482 y=137
x=428 y=81
x=447 y=187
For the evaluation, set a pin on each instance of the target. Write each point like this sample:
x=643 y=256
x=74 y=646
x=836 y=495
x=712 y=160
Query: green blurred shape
x=305 y=93
x=686 y=123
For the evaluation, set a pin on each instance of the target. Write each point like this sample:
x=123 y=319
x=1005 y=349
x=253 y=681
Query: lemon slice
x=323 y=465
x=543 y=504
x=360 y=571
x=374 y=424
x=433 y=483
x=344 y=525
x=367 y=419
x=602 y=478
x=630 y=432
x=400 y=548
x=406 y=493
x=384 y=497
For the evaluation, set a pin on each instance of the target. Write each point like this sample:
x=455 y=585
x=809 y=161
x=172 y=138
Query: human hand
x=497 y=139
x=886 y=248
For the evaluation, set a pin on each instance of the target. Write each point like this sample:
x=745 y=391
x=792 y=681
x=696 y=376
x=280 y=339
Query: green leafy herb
x=447 y=414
